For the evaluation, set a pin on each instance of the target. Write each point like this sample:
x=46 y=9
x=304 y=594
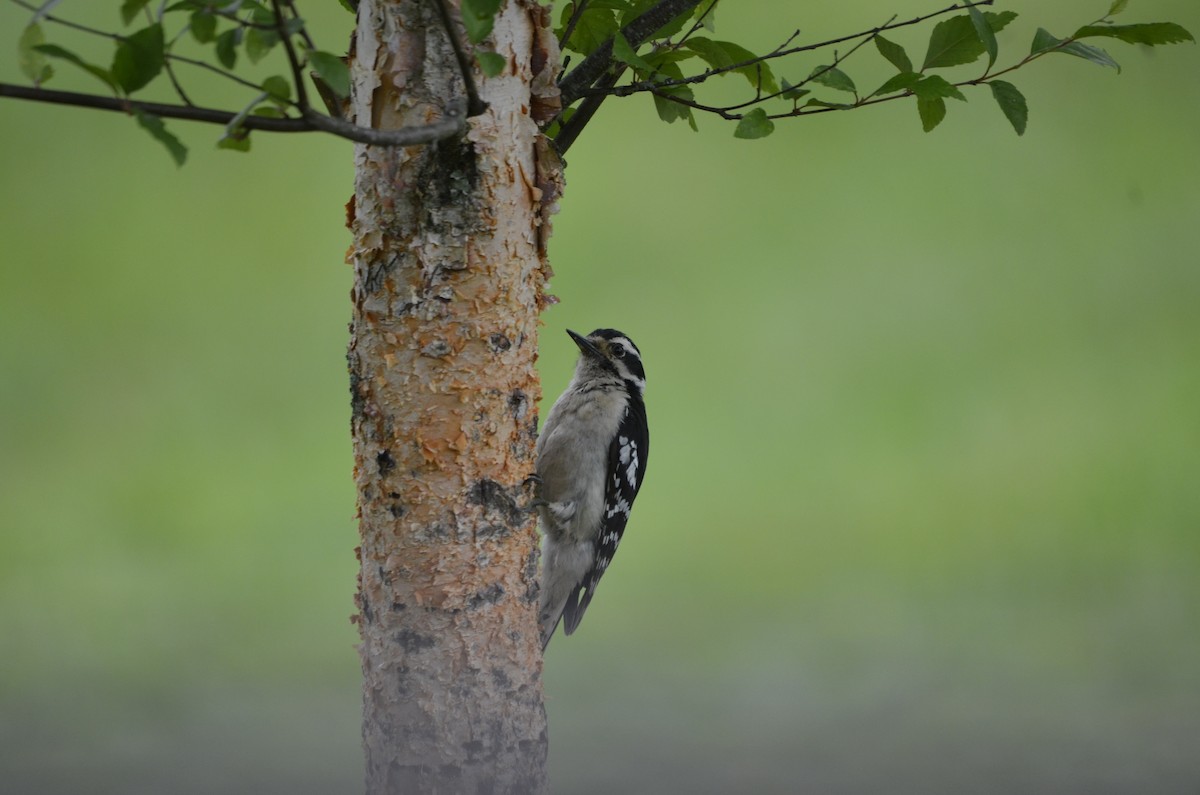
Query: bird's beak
x=585 y=345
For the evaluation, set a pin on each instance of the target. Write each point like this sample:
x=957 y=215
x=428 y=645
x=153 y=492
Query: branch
x=728 y=114
x=592 y=67
x=837 y=60
x=175 y=82
x=571 y=129
x=475 y=105
x=453 y=123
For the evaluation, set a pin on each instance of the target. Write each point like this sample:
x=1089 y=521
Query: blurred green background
x=923 y=514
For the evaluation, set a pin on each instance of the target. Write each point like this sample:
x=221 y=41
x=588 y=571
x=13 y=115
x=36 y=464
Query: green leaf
x=628 y=10
x=139 y=58
x=478 y=17
x=259 y=42
x=999 y=21
x=239 y=142
x=657 y=59
x=259 y=14
x=724 y=54
x=1150 y=33
x=984 y=30
x=155 y=126
x=901 y=82
x=791 y=92
x=670 y=111
x=54 y=51
x=932 y=111
x=1012 y=103
x=280 y=89
x=953 y=42
x=293 y=26
x=833 y=77
x=595 y=26
x=1117 y=7
x=820 y=103
x=706 y=13
x=1090 y=53
x=203 y=26
x=131 y=8
x=624 y=53
x=894 y=53
x=936 y=87
x=754 y=124
x=236 y=136
x=1044 y=41
x=492 y=63
x=33 y=63
x=333 y=70
x=227 y=44
x=269 y=111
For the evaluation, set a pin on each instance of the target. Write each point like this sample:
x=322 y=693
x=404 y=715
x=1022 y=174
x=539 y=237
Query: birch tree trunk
x=449 y=266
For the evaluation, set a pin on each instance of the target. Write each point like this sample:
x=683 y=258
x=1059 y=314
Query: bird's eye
x=617 y=350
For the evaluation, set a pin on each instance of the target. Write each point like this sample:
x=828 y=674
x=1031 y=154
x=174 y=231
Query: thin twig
x=699 y=23
x=245 y=23
x=308 y=41
x=332 y=102
x=178 y=86
x=214 y=69
x=837 y=60
x=475 y=105
x=68 y=23
x=293 y=60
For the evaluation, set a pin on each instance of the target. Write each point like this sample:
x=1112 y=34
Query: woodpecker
x=591 y=459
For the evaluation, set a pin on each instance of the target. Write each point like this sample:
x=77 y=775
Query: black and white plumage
x=591 y=460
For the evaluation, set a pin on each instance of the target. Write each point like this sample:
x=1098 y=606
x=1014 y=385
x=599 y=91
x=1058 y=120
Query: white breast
x=573 y=459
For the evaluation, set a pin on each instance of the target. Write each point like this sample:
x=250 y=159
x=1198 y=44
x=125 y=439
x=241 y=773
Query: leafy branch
x=955 y=41
x=628 y=47
x=236 y=29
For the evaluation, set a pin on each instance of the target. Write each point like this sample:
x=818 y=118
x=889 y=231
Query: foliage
x=664 y=48
x=954 y=41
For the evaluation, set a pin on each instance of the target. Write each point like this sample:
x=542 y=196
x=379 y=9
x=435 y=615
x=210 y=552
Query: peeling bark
x=449 y=264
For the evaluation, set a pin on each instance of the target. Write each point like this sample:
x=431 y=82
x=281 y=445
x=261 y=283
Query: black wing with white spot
x=626 y=469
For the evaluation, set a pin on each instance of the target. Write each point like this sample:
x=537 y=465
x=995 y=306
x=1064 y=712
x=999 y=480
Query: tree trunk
x=449 y=266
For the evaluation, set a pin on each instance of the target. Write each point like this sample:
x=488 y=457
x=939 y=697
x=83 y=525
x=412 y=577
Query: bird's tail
x=568 y=608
